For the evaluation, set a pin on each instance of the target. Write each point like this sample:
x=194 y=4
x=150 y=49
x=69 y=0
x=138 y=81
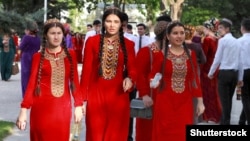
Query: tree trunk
x=163 y=6
x=176 y=9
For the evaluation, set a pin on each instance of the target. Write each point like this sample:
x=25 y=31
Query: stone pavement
x=10 y=98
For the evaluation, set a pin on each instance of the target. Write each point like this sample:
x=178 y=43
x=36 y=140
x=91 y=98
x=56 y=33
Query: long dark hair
x=170 y=27
x=47 y=25
x=118 y=13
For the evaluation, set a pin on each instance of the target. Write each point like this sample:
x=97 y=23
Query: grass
x=5 y=129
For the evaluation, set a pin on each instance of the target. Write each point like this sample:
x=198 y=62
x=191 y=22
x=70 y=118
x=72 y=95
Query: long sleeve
x=143 y=69
x=88 y=34
x=87 y=68
x=29 y=93
x=217 y=59
x=131 y=59
x=23 y=45
x=196 y=89
x=201 y=55
x=77 y=93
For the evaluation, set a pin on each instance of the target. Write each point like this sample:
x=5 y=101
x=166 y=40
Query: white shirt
x=131 y=37
x=88 y=34
x=244 y=43
x=227 y=54
x=145 y=40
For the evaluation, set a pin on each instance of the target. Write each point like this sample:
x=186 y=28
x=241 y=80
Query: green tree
x=197 y=16
x=234 y=10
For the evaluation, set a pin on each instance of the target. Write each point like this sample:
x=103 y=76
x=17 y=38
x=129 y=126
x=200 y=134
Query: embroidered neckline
x=54 y=56
x=57 y=71
x=179 y=67
x=110 y=58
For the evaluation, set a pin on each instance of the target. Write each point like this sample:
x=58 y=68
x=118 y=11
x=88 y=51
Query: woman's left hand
x=127 y=84
x=200 y=107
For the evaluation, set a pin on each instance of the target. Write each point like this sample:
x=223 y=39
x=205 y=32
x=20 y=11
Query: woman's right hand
x=22 y=119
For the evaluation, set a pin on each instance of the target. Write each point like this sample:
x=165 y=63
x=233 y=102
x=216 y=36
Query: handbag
x=138 y=110
x=15 y=68
x=137 y=107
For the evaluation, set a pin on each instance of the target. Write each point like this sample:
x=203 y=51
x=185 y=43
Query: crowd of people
x=200 y=67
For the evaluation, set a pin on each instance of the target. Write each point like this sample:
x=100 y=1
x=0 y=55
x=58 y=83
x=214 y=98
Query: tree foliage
x=234 y=10
x=197 y=16
x=14 y=13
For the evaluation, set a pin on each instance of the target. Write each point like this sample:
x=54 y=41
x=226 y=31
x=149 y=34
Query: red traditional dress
x=107 y=112
x=173 y=108
x=143 y=62
x=209 y=86
x=50 y=114
x=77 y=44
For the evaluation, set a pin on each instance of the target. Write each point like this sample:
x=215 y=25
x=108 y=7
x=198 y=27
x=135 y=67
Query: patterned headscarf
x=189 y=31
x=199 y=29
x=160 y=27
x=212 y=24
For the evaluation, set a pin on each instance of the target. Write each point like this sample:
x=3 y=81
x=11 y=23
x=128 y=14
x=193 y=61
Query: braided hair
x=169 y=30
x=118 y=13
x=47 y=25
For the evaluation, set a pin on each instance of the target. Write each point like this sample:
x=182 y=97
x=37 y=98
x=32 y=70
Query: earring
x=169 y=45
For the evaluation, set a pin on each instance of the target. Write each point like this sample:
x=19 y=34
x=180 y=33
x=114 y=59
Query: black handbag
x=137 y=107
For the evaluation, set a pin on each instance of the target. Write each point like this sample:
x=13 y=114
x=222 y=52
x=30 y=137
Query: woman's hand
x=200 y=106
x=79 y=113
x=21 y=121
x=156 y=84
x=127 y=84
x=147 y=100
x=210 y=76
x=240 y=83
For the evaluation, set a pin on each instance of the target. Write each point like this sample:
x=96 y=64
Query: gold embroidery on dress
x=57 y=72
x=179 y=71
x=110 y=58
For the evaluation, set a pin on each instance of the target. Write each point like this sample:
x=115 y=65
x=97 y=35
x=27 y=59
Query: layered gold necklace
x=110 y=58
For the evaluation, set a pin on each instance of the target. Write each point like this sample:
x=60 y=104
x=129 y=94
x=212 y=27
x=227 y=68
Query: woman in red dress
x=107 y=77
x=144 y=61
x=173 y=106
x=209 y=86
x=53 y=79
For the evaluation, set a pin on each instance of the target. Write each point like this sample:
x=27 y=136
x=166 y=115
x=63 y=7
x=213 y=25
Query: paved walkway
x=10 y=98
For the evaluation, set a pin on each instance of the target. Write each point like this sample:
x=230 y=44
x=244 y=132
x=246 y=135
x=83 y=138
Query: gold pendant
x=178 y=60
x=57 y=58
x=110 y=47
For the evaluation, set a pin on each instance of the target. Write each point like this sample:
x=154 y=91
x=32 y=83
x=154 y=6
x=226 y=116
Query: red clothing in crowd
x=144 y=126
x=173 y=107
x=15 y=38
x=77 y=44
x=210 y=86
x=50 y=114
x=107 y=111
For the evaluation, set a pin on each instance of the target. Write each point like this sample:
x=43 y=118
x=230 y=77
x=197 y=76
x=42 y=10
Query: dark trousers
x=242 y=119
x=227 y=81
x=132 y=95
x=245 y=91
